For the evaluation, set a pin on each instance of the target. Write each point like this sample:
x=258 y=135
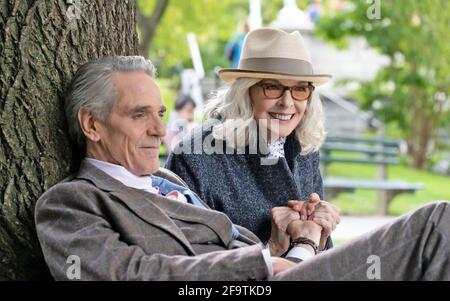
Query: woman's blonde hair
x=234 y=107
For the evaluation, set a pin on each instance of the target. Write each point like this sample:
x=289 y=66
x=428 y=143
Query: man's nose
x=156 y=127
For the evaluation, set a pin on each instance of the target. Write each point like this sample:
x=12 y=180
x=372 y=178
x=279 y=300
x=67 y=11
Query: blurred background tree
x=412 y=93
x=164 y=24
x=206 y=18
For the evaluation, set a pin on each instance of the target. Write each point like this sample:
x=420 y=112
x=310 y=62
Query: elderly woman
x=257 y=157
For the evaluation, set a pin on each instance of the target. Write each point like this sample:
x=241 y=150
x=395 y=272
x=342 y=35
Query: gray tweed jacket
x=121 y=233
x=239 y=185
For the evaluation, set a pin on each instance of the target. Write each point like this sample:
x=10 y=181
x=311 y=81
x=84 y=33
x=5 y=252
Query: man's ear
x=88 y=124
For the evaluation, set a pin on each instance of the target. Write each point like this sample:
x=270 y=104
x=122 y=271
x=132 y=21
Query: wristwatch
x=305 y=241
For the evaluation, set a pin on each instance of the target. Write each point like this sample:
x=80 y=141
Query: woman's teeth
x=281 y=116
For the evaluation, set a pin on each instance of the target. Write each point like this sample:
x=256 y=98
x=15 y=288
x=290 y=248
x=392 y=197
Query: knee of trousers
x=434 y=210
x=441 y=206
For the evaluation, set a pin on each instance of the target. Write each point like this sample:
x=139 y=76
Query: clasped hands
x=314 y=219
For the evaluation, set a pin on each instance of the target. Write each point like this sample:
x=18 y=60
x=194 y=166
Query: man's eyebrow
x=139 y=109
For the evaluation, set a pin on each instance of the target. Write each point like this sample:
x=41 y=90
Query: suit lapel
x=140 y=202
x=216 y=221
x=156 y=209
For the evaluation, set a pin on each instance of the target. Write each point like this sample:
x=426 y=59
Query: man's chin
x=153 y=168
x=146 y=170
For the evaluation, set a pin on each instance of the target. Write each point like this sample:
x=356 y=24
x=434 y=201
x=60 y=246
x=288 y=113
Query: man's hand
x=320 y=212
x=324 y=214
x=281 y=264
x=279 y=239
x=308 y=229
x=305 y=208
x=327 y=216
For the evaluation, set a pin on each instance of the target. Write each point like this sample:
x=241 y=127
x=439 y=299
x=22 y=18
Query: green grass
x=337 y=242
x=363 y=202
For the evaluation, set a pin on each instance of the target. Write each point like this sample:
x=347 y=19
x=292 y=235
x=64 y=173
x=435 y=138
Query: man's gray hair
x=93 y=89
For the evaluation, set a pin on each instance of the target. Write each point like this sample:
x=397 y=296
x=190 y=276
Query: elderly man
x=124 y=218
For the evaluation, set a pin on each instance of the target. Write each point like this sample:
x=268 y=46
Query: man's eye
x=161 y=114
x=138 y=115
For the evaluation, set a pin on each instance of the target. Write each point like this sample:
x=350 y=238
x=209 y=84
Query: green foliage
x=414 y=34
x=213 y=22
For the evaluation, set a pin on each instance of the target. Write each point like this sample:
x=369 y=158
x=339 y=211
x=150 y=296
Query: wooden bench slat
x=336 y=146
x=352 y=138
x=331 y=182
x=386 y=161
x=369 y=150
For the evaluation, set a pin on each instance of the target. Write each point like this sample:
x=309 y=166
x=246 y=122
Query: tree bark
x=42 y=43
x=420 y=147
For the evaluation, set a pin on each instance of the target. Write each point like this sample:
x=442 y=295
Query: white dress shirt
x=122 y=175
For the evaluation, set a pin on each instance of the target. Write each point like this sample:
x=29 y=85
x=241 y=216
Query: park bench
x=365 y=150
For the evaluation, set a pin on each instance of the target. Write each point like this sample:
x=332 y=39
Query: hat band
x=277 y=65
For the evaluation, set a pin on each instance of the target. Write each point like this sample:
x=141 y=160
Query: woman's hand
x=279 y=239
x=326 y=215
x=323 y=213
x=320 y=212
x=305 y=208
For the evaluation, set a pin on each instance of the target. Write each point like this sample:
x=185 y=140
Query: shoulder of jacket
x=68 y=190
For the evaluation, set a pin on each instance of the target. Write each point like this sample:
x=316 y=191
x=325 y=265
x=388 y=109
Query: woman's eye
x=300 y=89
x=273 y=87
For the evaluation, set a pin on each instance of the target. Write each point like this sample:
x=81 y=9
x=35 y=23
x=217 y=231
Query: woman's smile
x=282 y=117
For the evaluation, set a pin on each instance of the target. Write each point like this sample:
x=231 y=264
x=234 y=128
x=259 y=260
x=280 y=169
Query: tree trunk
x=148 y=25
x=421 y=130
x=42 y=43
x=425 y=134
x=424 y=126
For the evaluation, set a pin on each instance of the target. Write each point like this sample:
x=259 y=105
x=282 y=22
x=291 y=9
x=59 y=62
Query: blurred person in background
x=181 y=121
x=234 y=45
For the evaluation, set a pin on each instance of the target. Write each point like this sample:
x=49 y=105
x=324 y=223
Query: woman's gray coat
x=239 y=184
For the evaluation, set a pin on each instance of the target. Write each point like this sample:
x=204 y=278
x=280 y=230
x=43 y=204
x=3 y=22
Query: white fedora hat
x=276 y=54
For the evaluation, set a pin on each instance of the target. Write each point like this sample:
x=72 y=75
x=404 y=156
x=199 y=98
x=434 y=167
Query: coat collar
x=89 y=172
x=292 y=146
